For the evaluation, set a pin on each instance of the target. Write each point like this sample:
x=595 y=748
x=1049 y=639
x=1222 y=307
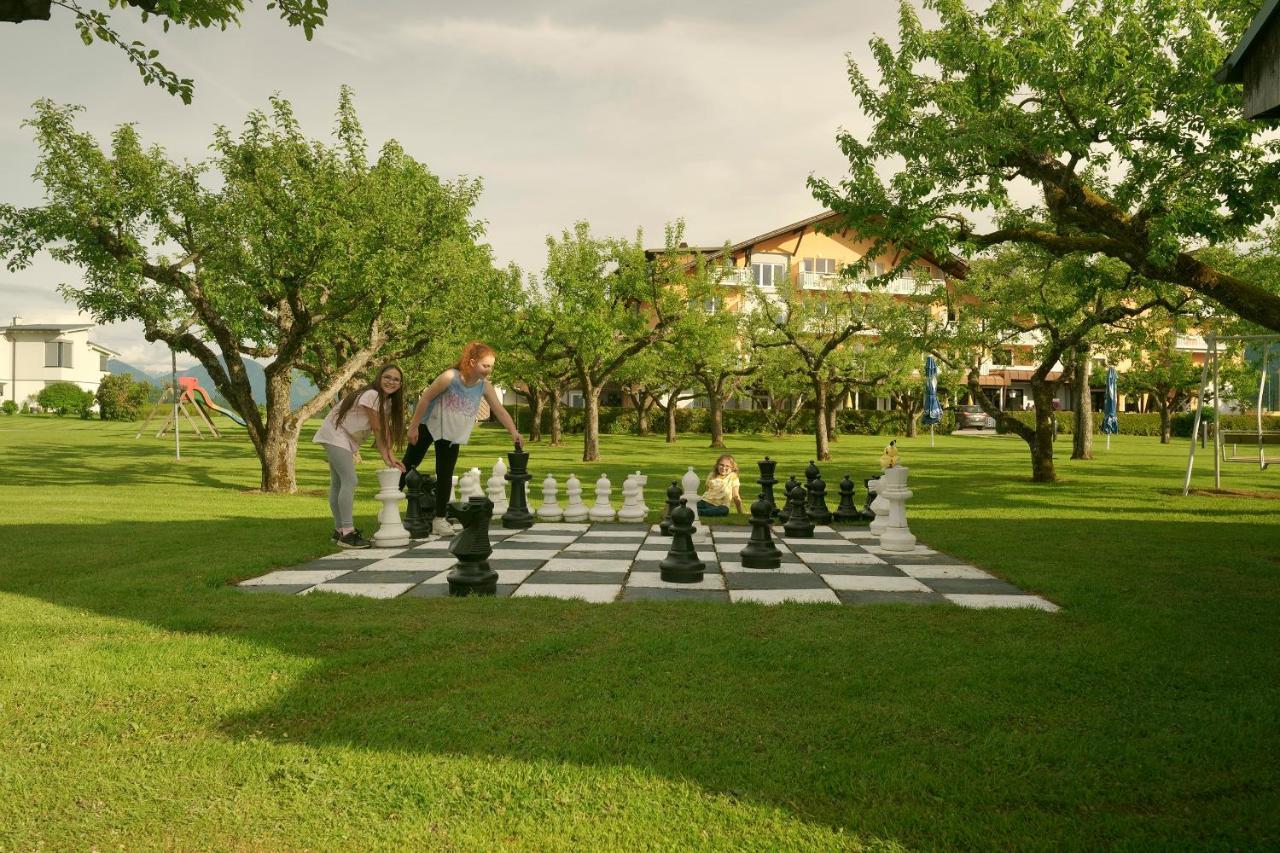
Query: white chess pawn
x=689 y=482
x=391 y=533
x=574 y=508
x=632 y=509
x=498 y=488
x=602 y=510
x=474 y=488
x=642 y=480
x=550 y=509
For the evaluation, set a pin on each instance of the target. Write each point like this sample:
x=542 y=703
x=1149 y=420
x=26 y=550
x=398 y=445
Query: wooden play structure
x=190 y=396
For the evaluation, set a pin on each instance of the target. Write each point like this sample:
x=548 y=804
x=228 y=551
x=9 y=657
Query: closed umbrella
x=1110 y=423
x=932 y=411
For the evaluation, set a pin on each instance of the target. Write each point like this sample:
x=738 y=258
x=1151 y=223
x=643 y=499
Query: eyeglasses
x=394 y=379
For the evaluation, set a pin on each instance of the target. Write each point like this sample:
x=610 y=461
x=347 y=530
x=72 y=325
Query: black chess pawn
x=473 y=575
x=673 y=500
x=517 y=516
x=847 y=510
x=681 y=565
x=760 y=552
x=867 y=513
x=811 y=473
x=420 y=510
x=767 y=482
x=789 y=504
x=798 y=526
x=816 y=508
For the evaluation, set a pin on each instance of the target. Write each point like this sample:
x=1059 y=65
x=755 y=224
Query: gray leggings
x=342 y=485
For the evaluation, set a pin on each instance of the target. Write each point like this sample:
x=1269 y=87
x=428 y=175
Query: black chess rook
x=517 y=516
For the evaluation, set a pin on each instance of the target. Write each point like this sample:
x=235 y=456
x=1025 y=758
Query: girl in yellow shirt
x=722 y=489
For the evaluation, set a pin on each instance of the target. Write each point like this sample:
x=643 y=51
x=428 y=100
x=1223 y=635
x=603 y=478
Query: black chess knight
x=473 y=575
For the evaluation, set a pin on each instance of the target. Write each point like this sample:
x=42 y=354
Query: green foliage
x=9 y=407
x=122 y=398
x=1108 y=107
x=616 y=420
x=64 y=398
x=1183 y=421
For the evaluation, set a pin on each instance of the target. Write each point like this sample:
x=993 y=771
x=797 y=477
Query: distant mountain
x=302 y=390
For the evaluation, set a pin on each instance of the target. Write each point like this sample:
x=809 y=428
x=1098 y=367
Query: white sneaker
x=441 y=527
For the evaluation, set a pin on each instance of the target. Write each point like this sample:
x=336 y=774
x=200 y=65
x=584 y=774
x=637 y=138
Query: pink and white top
x=355 y=427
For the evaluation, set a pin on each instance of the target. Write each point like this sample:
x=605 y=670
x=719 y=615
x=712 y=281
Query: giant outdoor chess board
x=619 y=562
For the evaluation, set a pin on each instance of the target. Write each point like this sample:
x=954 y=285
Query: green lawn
x=144 y=702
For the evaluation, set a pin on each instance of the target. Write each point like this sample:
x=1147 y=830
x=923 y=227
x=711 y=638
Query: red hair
x=474 y=351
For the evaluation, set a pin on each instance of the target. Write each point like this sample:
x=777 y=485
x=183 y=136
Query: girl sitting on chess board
x=445 y=415
x=722 y=489
x=376 y=408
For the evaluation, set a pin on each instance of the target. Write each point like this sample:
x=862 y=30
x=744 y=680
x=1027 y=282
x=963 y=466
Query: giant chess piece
x=631 y=509
x=767 y=481
x=602 y=510
x=473 y=574
x=893 y=486
x=817 y=507
x=642 y=480
x=798 y=526
x=811 y=473
x=681 y=565
x=391 y=533
x=420 y=512
x=517 y=516
x=497 y=487
x=469 y=485
x=690 y=482
x=867 y=513
x=760 y=552
x=847 y=510
x=673 y=501
x=788 y=505
x=879 y=506
x=574 y=508
x=550 y=509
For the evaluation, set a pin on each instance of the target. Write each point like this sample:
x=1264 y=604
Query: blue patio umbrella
x=1110 y=423
x=932 y=411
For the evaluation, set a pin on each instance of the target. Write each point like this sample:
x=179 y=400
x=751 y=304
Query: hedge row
x=1133 y=423
x=615 y=420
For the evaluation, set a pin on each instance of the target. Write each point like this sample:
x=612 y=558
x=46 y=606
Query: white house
x=35 y=355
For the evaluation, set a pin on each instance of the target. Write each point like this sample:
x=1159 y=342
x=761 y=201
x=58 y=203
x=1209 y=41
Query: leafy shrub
x=615 y=420
x=1183 y=421
x=9 y=407
x=64 y=398
x=122 y=398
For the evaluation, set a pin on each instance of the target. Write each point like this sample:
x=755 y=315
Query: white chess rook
x=574 y=509
x=550 y=509
x=391 y=533
x=896 y=536
x=602 y=510
x=498 y=488
x=632 y=509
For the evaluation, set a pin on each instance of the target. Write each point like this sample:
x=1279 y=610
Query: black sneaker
x=353 y=540
x=335 y=537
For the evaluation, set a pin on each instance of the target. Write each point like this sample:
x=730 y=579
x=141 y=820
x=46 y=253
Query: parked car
x=972 y=417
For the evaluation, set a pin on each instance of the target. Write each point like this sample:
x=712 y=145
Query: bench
x=1249 y=438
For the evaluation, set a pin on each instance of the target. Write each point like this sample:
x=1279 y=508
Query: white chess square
x=735 y=535
x=364 y=590
x=1005 y=601
x=587 y=564
x=602 y=546
x=559 y=527
x=780 y=596
x=412 y=564
x=363 y=554
x=784 y=569
x=924 y=570
x=653 y=580
x=862 y=535
x=917 y=551
x=596 y=593
x=703 y=555
x=295 y=576
x=547 y=538
x=839 y=558
x=602 y=531
x=868 y=583
x=434 y=545
x=524 y=554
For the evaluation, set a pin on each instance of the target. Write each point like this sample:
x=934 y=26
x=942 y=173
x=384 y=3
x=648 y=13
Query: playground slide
x=197 y=393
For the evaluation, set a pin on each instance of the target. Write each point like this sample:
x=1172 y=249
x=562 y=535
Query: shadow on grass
x=844 y=716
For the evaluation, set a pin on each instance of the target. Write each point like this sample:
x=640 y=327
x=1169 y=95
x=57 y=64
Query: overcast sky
x=626 y=115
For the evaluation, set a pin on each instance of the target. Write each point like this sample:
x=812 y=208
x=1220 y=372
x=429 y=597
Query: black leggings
x=446 y=460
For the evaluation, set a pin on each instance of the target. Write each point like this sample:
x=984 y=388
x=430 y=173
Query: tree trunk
x=645 y=401
x=1042 y=442
x=715 y=413
x=557 y=422
x=278 y=458
x=822 y=449
x=537 y=402
x=1082 y=428
x=671 y=421
x=591 y=422
x=833 y=434
x=1166 y=420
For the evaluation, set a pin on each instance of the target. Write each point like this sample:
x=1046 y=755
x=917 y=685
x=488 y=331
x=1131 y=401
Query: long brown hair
x=473 y=351
x=390 y=406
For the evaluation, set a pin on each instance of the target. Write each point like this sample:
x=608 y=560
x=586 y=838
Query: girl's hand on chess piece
x=518 y=442
x=393 y=463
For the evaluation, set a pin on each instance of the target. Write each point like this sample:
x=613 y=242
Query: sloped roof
x=1232 y=71
x=48 y=327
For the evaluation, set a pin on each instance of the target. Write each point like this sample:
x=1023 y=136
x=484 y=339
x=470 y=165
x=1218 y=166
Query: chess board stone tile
x=824 y=545
x=651 y=566
x=434 y=545
x=279 y=588
x=969 y=586
x=517 y=553
x=555 y=577
x=588 y=564
x=559 y=527
x=603 y=547
x=293 y=577
x=794 y=567
x=613 y=535
x=594 y=593
x=860 y=535
x=362 y=554
x=323 y=565
x=644 y=593
x=917 y=551
x=609 y=527
x=854 y=596
x=502 y=564
x=365 y=576
x=838 y=558
x=364 y=590
x=884 y=570
x=412 y=563
x=943 y=570
x=441 y=590
x=759 y=580
x=1011 y=601
x=653 y=580
x=527 y=538
x=869 y=583
x=784 y=596
x=704 y=554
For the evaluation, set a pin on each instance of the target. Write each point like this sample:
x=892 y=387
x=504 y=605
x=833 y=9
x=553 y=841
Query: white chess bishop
x=574 y=508
x=602 y=510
